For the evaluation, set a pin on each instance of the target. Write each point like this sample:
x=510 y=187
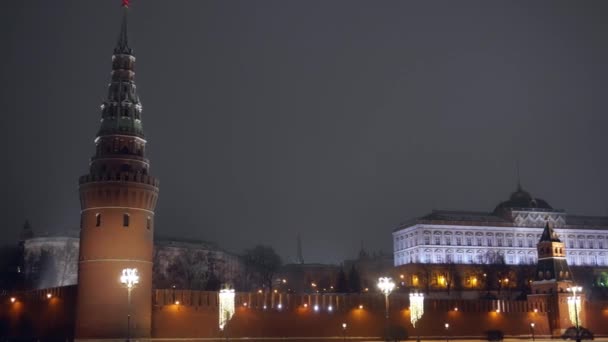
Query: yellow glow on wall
x=415 y=280
x=473 y=281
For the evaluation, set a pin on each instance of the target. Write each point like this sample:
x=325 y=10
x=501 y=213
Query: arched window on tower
x=125 y=220
x=97 y=220
x=149 y=223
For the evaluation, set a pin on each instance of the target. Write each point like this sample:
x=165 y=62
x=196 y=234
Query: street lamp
x=343 y=331
x=573 y=307
x=532 y=330
x=386 y=285
x=447 y=326
x=129 y=278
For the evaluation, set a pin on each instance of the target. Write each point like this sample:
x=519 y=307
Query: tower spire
x=549 y=234
x=26 y=232
x=121 y=112
x=122 y=45
x=300 y=256
x=519 y=188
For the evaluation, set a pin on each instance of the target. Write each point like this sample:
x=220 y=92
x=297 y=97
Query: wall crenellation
x=340 y=302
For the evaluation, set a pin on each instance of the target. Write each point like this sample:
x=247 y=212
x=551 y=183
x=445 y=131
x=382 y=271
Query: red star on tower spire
x=125 y=3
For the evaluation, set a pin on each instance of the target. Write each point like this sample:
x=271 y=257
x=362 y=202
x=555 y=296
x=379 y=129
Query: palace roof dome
x=521 y=199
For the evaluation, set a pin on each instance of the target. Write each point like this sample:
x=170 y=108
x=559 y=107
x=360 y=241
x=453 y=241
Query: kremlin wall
x=194 y=314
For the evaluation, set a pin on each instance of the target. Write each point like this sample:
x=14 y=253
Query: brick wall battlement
x=339 y=302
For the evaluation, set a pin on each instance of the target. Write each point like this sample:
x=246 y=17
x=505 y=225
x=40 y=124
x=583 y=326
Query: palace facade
x=508 y=233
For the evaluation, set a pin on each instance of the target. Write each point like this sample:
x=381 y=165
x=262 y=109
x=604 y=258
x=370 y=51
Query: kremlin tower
x=117 y=198
x=552 y=282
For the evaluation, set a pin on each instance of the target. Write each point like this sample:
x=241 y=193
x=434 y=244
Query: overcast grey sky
x=332 y=119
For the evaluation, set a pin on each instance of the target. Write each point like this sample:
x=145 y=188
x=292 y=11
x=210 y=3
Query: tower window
x=97 y=220
x=125 y=220
x=149 y=223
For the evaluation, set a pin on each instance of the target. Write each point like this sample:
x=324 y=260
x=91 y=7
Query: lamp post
x=574 y=299
x=129 y=278
x=386 y=285
x=344 y=332
x=532 y=330
x=447 y=326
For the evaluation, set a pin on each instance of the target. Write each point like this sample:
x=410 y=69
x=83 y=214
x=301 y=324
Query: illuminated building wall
x=510 y=232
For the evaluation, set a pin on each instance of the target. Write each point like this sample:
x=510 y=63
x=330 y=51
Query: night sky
x=333 y=119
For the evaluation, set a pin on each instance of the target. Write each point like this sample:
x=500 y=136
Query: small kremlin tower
x=552 y=280
x=117 y=198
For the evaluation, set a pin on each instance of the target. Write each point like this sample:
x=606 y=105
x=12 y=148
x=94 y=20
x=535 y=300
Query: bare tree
x=426 y=275
x=450 y=274
x=189 y=270
x=496 y=271
x=69 y=261
x=262 y=262
x=354 y=280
